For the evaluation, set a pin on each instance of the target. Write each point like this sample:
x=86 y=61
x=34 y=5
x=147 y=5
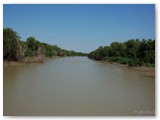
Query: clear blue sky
x=81 y=27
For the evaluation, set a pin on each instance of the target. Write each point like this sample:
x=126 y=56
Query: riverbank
x=35 y=59
x=146 y=71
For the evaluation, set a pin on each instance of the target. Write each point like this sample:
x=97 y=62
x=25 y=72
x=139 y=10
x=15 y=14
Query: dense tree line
x=133 y=52
x=15 y=49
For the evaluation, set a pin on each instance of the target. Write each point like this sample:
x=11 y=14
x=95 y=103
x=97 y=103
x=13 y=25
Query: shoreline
x=146 y=71
x=27 y=60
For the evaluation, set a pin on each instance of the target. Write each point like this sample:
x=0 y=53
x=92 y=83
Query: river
x=75 y=86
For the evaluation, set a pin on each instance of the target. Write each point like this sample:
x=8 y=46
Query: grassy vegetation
x=122 y=60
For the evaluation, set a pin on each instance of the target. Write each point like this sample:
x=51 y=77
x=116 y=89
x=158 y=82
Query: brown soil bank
x=146 y=71
x=10 y=63
x=149 y=71
x=35 y=59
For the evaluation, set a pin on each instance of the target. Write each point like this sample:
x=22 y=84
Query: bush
x=28 y=53
x=129 y=61
x=132 y=52
x=135 y=62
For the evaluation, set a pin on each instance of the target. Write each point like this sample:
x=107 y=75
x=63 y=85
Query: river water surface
x=76 y=86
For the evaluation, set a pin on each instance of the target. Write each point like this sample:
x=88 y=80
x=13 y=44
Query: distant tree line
x=133 y=52
x=15 y=49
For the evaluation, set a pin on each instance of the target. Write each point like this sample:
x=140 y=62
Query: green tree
x=31 y=47
x=11 y=45
x=133 y=52
x=132 y=48
x=32 y=43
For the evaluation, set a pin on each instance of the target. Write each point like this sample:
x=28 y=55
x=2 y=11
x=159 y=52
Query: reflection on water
x=77 y=86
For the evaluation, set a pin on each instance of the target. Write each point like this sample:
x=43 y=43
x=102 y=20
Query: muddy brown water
x=75 y=86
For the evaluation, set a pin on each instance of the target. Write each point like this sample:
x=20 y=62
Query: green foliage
x=31 y=47
x=135 y=62
x=121 y=60
x=15 y=49
x=28 y=53
x=98 y=54
x=133 y=52
x=132 y=47
x=32 y=43
x=11 y=45
x=147 y=51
